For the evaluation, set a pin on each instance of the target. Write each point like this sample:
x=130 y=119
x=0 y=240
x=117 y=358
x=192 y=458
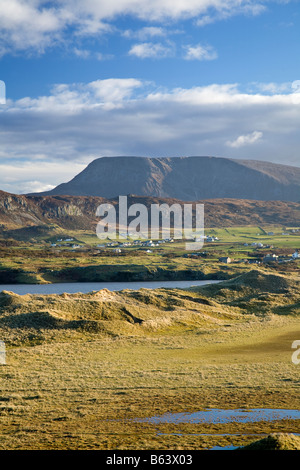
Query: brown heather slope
x=79 y=212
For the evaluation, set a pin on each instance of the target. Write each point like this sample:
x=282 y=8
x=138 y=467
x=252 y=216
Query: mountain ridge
x=185 y=178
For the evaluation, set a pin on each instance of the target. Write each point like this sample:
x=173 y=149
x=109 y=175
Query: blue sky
x=154 y=78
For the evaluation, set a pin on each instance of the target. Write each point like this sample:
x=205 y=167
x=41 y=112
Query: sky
x=160 y=78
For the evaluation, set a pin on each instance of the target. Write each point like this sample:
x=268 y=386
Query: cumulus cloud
x=34 y=175
x=82 y=53
x=243 y=140
x=27 y=25
x=145 y=33
x=151 y=50
x=200 y=52
x=77 y=123
x=272 y=87
x=112 y=91
x=296 y=86
x=228 y=9
x=36 y=25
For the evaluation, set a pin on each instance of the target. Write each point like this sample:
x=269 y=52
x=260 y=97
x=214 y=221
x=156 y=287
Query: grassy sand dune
x=81 y=367
x=275 y=441
x=38 y=318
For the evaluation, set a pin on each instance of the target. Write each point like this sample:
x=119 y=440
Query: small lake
x=84 y=287
x=214 y=416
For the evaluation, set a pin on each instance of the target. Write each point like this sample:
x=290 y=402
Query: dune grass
x=81 y=368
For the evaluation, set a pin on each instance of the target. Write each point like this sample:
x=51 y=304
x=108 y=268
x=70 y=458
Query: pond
x=84 y=287
x=214 y=416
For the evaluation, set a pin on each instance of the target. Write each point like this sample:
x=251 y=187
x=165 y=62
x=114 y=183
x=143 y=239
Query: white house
x=295 y=255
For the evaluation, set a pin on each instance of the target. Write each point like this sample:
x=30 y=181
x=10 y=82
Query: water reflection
x=214 y=416
x=84 y=287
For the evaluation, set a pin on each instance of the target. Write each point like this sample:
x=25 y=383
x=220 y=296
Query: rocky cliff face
x=68 y=212
x=185 y=178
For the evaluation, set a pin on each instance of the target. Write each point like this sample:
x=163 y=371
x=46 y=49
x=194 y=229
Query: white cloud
x=74 y=99
x=100 y=56
x=50 y=138
x=33 y=176
x=34 y=25
x=113 y=90
x=296 y=86
x=271 y=88
x=200 y=52
x=82 y=53
x=34 y=187
x=87 y=54
x=145 y=33
x=26 y=26
x=229 y=8
x=243 y=140
x=151 y=50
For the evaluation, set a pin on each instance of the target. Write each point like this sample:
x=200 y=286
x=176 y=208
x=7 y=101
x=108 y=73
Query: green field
x=38 y=262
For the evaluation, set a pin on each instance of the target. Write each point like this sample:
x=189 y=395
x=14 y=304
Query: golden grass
x=80 y=368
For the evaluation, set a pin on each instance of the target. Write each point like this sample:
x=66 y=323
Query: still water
x=226 y=416
x=84 y=287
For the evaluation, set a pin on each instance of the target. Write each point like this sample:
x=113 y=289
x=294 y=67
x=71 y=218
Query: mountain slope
x=79 y=212
x=185 y=178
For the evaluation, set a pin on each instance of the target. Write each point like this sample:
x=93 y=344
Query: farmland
x=43 y=260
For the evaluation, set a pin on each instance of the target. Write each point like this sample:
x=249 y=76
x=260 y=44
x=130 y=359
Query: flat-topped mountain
x=185 y=178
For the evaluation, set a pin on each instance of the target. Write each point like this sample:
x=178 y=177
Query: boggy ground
x=82 y=368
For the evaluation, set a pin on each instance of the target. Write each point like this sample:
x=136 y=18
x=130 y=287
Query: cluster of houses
x=207 y=238
x=210 y=238
x=135 y=243
x=269 y=258
x=65 y=242
x=117 y=245
x=258 y=245
x=272 y=258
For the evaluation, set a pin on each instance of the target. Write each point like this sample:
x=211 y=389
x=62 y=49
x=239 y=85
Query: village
x=229 y=249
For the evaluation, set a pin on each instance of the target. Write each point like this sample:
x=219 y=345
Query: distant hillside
x=24 y=216
x=185 y=178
